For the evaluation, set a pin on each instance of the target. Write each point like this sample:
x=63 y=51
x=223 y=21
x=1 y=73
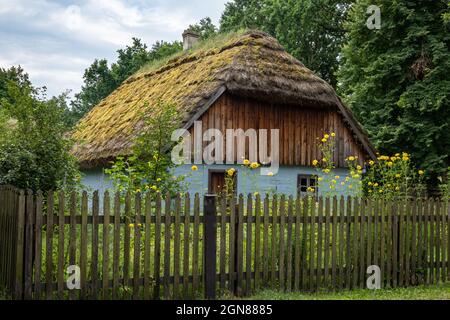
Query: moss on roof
x=246 y=63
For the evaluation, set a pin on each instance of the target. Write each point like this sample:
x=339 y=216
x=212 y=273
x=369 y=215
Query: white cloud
x=56 y=40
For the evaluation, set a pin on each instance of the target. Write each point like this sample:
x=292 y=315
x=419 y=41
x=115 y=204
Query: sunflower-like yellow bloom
x=194 y=168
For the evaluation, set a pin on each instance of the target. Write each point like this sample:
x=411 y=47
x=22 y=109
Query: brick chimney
x=190 y=38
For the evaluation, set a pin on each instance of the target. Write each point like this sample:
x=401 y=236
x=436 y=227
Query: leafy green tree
x=205 y=28
x=34 y=150
x=149 y=167
x=13 y=75
x=100 y=80
x=310 y=30
x=396 y=79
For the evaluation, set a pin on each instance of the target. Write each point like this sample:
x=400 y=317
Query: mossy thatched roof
x=250 y=64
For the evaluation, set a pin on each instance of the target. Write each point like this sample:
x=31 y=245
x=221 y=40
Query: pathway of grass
x=436 y=292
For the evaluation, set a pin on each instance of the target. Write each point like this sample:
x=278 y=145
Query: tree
x=100 y=80
x=396 y=79
x=205 y=28
x=14 y=75
x=34 y=150
x=310 y=30
x=148 y=168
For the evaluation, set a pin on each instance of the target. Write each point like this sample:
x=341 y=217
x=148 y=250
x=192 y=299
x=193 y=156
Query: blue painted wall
x=285 y=182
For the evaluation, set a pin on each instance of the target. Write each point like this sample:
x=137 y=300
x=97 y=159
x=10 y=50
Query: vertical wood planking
x=248 y=247
x=362 y=241
x=29 y=224
x=266 y=241
x=195 y=249
x=177 y=250
x=304 y=280
x=186 y=244
x=348 y=274
x=401 y=234
x=326 y=258
x=312 y=239
x=72 y=235
x=334 y=244
x=60 y=271
x=147 y=244
x=297 y=244
x=38 y=245
x=282 y=242
x=273 y=242
x=167 y=253
x=232 y=244
x=116 y=246
x=395 y=245
x=407 y=243
x=157 y=252
x=105 y=246
x=137 y=246
x=413 y=242
x=95 y=243
x=341 y=242
x=240 y=245
x=426 y=217
x=126 y=245
x=355 y=247
x=383 y=206
x=257 y=257
x=289 y=246
x=49 y=246
x=83 y=248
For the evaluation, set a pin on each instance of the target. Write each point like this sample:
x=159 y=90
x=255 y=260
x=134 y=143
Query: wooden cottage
x=242 y=80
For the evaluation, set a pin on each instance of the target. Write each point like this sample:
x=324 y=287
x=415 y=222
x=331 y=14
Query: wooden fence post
x=209 y=206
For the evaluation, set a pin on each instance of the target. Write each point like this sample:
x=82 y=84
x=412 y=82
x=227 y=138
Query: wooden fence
x=185 y=247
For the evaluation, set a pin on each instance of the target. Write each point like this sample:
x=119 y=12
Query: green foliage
x=310 y=30
x=149 y=166
x=34 y=152
x=100 y=79
x=205 y=28
x=396 y=79
x=14 y=75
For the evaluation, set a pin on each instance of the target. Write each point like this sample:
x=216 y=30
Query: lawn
x=435 y=292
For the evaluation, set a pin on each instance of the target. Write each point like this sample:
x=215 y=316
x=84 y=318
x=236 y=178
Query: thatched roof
x=250 y=64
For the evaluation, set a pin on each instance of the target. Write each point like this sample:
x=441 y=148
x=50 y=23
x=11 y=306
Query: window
x=306 y=181
x=216 y=181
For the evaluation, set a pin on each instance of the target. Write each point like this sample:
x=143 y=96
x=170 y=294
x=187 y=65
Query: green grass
x=435 y=292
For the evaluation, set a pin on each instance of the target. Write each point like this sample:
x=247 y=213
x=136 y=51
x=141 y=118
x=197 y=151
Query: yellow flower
x=371 y=162
x=326 y=170
x=351 y=158
x=231 y=172
x=381 y=191
x=158 y=180
x=359 y=167
x=397 y=188
x=333 y=181
x=254 y=165
x=332 y=187
x=131 y=225
x=310 y=189
x=324 y=140
x=370 y=183
x=398 y=175
x=342 y=183
x=333 y=134
x=246 y=162
x=397 y=155
x=421 y=172
x=270 y=174
x=337 y=177
x=355 y=176
x=315 y=162
x=350 y=186
x=324 y=160
x=326 y=136
x=138 y=190
x=320 y=179
x=154 y=188
x=347 y=179
x=390 y=164
x=370 y=191
x=139 y=224
x=194 y=168
x=256 y=194
x=375 y=184
x=393 y=158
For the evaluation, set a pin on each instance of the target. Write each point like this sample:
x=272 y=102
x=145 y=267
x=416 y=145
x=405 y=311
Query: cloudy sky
x=55 y=40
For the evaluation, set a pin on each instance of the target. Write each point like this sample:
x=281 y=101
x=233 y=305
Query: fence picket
x=304 y=244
